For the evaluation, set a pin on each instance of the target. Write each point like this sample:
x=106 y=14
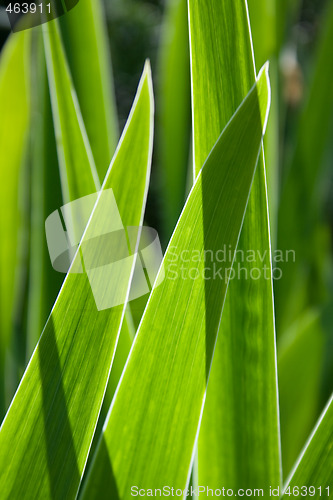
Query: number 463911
x=304 y=491
x=32 y=8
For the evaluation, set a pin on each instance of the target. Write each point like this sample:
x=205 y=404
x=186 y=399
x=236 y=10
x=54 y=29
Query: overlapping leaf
x=78 y=171
x=47 y=432
x=150 y=434
x=239 y=436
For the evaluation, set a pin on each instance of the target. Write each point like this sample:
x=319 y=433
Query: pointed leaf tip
x=264 y=90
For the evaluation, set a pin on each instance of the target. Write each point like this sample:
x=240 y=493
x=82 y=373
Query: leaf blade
x=300 y=361
x=15 y=116
x=86 y=43
x=77 y=167
x=175 y=110
x=313 y=467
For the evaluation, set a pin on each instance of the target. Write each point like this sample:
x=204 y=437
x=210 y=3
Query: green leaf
x=175 y=110
x=37 y=196
x=124 y=344
x=15 y=115
x=88 y=54
x=300 y=361
x=45 y=197
x=46 y=435
x=79 y=178
x=239 y=436
x=314 y=467
x=77 y=168
x=263 y=16
x=150 y=434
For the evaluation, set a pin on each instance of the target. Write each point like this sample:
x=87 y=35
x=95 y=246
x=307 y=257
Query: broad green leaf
x=239 y=436
x=150 y=434
x=46 y=435
x=314 y=468
x=125 y=341
x=15 y=112
x=302 y=195
x=79 y=178
x=300 y=360
x=175 y=110
x=88 y=54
